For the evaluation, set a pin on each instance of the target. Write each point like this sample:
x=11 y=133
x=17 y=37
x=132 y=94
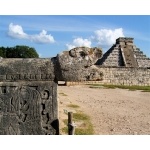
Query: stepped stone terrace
x=124 y=53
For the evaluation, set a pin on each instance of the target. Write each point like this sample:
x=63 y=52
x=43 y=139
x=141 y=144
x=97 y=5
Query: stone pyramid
x=142 y=60
x=124 y=53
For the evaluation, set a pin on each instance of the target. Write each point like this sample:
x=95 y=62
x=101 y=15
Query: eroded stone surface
x=26 y=69
x=28 y=97
x=78 y=64
x=28 y=108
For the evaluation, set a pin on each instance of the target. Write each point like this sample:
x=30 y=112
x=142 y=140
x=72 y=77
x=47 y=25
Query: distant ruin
x=124 y=53
x=123 y=64
x=28 y=87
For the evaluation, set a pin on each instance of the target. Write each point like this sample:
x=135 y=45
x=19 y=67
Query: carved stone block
x=28 y=108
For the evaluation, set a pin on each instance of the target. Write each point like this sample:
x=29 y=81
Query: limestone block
x=28 y=97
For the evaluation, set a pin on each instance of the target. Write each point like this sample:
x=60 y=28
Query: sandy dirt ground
x=112 y=111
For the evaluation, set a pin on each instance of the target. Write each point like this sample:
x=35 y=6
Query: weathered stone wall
x=28 y=97
x=120 y=76
x=126 y=76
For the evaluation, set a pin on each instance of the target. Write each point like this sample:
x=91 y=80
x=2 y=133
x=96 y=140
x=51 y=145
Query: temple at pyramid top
x=124 y=53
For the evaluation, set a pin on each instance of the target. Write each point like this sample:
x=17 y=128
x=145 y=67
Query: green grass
x=87 y=130
x=86 y=127
x=80 y=116
x=63 y=94
x=143 y=88
x=73 y=106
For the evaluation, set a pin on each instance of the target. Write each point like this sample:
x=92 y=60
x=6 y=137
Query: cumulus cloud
x=79 y=42
x=107 y=37
x=43 y=37
x=16 y=31
x=103 y=38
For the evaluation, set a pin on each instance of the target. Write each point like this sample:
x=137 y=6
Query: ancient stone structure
x=124 y=53
x=28 y=97
x=126 y=76
x=122 y=64
x=28 y=87
x=78 y=64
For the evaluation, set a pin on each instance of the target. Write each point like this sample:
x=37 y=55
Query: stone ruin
x=28 y=87
x=28 y=97
x=124 y=53
x=78 y=64
x=28 y=90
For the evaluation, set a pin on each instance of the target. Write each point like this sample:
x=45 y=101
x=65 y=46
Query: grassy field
x=82 y=121
x=142 y=88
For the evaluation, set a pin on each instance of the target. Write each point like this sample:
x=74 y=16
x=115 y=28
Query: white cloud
x=16 y=31
x=79 y=42
x=103 y=37
x=43 y=37
x=107 y=37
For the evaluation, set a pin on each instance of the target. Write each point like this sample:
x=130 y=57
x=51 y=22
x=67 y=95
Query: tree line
x=18 y=51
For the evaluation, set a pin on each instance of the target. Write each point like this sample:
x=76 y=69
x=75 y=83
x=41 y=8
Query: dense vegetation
x=18 y=51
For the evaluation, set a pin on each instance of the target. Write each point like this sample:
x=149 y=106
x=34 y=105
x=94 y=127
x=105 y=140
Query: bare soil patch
x=112 y=111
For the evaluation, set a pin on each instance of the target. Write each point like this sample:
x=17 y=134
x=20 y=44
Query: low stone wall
x=126 y=76
x=121 y=76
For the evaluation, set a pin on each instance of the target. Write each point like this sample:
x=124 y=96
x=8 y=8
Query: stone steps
x=142 y=60
x=129 y=56
x=112 y=57
x=124 y=53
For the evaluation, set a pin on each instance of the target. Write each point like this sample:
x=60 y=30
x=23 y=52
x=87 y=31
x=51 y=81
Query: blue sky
x=51 y=34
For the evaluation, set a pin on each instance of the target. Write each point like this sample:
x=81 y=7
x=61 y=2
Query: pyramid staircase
x=124 y=53
x=128 y=56
x=142 y=60
x=112 y=57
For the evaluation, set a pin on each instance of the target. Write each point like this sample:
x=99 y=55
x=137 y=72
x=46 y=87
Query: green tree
x=2 y=52
x=18 y=51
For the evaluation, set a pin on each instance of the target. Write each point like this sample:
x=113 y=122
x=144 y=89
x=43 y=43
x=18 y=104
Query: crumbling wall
x=126 y=76
x=120 y=76
x=78 y=64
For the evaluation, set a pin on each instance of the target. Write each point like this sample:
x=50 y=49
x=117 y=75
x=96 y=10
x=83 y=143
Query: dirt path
x=112 y=111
